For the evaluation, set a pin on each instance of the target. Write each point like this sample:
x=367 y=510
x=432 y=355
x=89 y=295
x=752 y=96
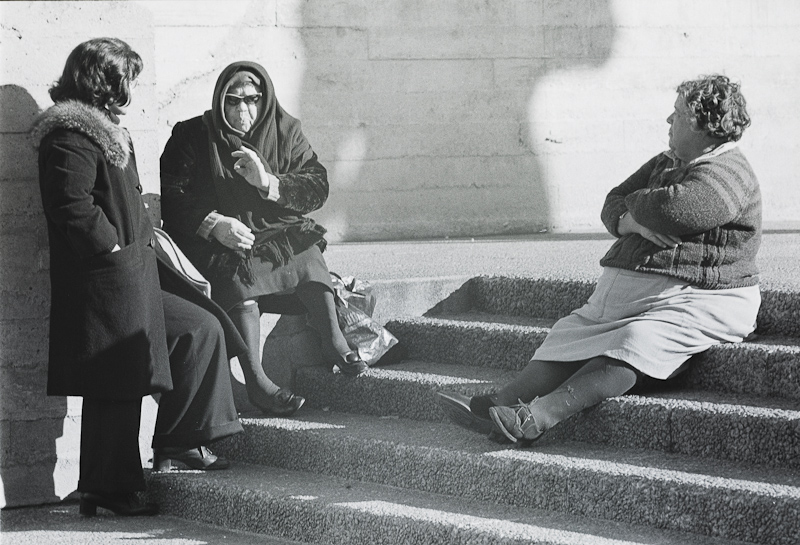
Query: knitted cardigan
x=712 y=203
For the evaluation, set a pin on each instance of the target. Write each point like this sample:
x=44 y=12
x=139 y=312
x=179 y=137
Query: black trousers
x=197 y=411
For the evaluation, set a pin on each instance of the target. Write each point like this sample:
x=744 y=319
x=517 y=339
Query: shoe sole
x=457 y=409
x=166 y=464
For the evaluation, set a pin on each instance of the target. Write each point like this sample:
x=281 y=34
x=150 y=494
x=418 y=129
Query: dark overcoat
x=107 y=334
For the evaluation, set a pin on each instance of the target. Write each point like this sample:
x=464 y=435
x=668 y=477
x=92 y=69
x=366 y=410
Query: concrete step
x=653 y=489
x=768 y=366
x=721 y=426
x=60 y=524
x=318 y=508
x=548 y=297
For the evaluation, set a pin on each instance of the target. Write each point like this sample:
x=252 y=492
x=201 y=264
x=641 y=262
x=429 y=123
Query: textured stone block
x=32 y=484
x=212 y=13
x=38 y=436
x=19 y=109
x=21 y=198
x=23 y=343
x=399 y=77
x=467 y=43
x=25 y=396
x=584 y=14
x=17 y=157
x=429 y=214
x=463 y=139
x=590 y=44
x=337 y=13
x=24 y=298
x=411 y=14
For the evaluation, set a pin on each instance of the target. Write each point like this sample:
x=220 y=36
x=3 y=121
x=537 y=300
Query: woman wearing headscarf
x=236 y=184
x=680 y=278
x=124 y=323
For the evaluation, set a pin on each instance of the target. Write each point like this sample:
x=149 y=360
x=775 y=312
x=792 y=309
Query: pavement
x=60 y=524
x=546 y=255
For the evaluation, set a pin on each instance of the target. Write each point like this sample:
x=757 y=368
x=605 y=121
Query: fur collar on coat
x=80 y=117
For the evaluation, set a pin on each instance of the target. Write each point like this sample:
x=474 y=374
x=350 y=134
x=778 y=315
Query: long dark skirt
x=200 y=408
x=198 y=411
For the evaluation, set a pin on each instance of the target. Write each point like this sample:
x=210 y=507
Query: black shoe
x=284 y=403
x=458 y=408
x=191 y=458
x=351 y=364
x=124 y=504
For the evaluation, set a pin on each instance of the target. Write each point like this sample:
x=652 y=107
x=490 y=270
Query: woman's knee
x=618 y=374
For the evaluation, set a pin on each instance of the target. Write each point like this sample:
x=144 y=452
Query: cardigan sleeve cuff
x=204 y=231
x=274 y=192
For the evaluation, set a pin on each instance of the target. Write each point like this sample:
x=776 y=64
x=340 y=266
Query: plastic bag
x=355 y=303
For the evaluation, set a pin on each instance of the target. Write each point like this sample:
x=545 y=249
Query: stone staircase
x=710 y=458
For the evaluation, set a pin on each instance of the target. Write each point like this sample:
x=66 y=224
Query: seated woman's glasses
x=235 y=100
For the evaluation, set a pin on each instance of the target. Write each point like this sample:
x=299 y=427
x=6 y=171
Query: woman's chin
x=242 y=125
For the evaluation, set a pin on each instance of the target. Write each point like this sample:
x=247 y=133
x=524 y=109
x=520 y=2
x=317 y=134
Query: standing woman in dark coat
x=236 y=183
x=115 y=334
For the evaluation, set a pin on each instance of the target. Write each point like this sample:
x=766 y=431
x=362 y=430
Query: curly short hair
x=98 y=72
x=717 y=105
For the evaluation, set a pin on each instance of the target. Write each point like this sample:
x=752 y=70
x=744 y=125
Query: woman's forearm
x=306 y=189
x=702 y=201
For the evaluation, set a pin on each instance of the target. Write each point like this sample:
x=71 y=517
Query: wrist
x=620 y=221
x=208 y=224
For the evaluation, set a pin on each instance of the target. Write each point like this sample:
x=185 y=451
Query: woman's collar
x=719 y=150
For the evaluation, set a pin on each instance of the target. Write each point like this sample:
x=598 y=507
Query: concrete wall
x=473 y=117
x=451 y=118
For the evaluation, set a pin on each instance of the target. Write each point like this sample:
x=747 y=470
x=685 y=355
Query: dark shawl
x=279 y=142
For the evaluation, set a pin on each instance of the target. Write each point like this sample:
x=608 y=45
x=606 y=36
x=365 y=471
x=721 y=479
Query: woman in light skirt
x=680 y=278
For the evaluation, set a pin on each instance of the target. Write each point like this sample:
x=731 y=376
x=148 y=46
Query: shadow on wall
x=422 y=111
x=31 y=423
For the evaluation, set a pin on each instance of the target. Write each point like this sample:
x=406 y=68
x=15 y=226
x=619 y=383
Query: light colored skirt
x=652 y=322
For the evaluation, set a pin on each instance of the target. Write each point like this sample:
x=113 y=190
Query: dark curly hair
x=98 y=72
x=717 y=105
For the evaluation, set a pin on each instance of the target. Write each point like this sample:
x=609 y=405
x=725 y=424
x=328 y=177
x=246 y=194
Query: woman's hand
x=249 y=166
x=628 y=225
x=233 y=234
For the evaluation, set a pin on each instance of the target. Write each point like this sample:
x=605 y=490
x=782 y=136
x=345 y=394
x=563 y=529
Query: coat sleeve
x=615 y=204
x=69 y=169
x=707 y=197
x=186 y=194
x=305 y=187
